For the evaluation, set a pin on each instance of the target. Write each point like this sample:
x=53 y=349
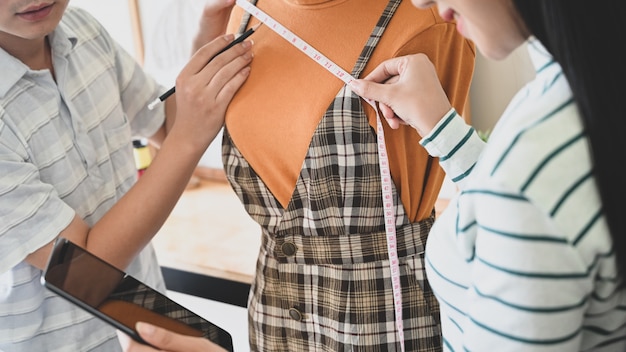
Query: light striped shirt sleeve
x=458 y=147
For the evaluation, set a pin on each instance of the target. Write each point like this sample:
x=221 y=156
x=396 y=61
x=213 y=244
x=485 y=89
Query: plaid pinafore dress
x=323 y=281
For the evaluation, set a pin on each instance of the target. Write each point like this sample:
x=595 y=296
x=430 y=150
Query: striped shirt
x=522 y=260
x=65 y=149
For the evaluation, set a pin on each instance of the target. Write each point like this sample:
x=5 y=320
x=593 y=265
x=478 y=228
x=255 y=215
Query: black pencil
x=237 y=40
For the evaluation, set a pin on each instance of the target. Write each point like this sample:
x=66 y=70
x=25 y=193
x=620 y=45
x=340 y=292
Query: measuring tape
x=389 y=210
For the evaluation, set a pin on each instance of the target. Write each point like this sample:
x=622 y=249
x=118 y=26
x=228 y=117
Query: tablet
x=120 y=299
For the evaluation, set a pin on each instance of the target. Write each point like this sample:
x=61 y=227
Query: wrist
x=439 y=124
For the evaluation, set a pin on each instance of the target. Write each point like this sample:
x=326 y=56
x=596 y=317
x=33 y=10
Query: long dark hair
x=584 y=38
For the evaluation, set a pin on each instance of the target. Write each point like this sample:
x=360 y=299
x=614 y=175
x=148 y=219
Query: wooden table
x=210 y=233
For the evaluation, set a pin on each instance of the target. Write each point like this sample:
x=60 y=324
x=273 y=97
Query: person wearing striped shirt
x=530 y=255
x=71 y=100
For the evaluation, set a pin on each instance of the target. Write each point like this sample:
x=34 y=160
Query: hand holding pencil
x=204 y=88
x=237 y=40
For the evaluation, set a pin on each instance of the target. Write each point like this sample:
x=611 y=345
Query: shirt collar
x=539 y=55
x=62 y=40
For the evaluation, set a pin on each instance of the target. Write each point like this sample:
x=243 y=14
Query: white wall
x=495 y=83
x=114 y=15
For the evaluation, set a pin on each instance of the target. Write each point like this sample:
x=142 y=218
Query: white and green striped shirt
x=521 y=260
x=65 y=149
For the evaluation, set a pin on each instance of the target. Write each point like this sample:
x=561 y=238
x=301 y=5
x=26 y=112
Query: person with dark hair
x=531 y=254
x=71 y=100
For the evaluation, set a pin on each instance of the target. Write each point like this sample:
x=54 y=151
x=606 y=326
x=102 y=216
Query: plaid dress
x=323 y=281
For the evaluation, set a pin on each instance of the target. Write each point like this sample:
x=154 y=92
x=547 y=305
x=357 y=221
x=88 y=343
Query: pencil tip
x=254 y=28
x=153 y=104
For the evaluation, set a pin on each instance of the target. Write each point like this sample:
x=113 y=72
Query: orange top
x=275 y=113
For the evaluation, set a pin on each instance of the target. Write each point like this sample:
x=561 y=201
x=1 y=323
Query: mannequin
x=308 y=174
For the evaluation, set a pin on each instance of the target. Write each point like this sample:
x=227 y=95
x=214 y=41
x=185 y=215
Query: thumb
x=158 y=337
x=152 y=334
x=169 y=341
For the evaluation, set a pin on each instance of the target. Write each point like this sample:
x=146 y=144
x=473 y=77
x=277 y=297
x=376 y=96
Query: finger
x=160 y=338
x=392 y=120
x=219 y=82
x=385 y=70
x=370 y=90
x=392 y=79
x=130 y=345
x=226 y=64
x=387 y=112
x=209 y=81
x=170 y=341
x=393 y=123
x=228 y=90
x=124 y=340
x=135 y=346
x=232 y=75
x=206 y=53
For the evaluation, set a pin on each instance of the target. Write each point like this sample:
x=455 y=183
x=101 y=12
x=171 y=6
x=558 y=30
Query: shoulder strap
x=245 y=19
x=374 y=38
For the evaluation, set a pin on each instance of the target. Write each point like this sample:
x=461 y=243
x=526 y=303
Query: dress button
x=289 y=249
x=295 y=314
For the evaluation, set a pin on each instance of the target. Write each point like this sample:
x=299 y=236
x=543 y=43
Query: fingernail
x=145 y=329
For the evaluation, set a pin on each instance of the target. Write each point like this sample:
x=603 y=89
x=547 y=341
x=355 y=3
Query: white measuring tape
x=389 y=210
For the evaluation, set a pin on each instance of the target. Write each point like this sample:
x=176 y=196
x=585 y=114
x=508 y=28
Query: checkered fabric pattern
x=323 y=281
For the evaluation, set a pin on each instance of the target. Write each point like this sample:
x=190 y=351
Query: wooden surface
x=136 y=27
x=210 y=233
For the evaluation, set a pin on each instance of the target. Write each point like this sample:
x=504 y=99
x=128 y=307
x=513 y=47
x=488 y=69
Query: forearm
x=140 y=213
x=213 y=22
x=134 y=220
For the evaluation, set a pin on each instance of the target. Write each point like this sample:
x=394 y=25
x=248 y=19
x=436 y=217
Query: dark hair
x=584 y=38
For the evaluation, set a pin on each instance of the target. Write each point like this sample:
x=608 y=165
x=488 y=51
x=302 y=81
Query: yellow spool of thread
x=143 y=156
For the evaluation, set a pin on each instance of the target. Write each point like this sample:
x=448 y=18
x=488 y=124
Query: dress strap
x=375 y=36
x=245 y=19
